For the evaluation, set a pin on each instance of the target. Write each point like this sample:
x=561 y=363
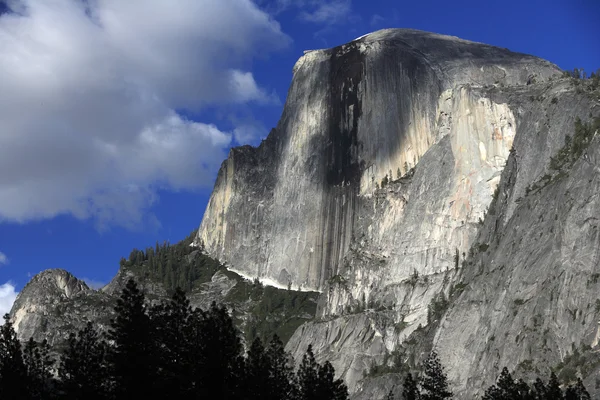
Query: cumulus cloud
x=89 y=94
x=7 y=298
x=3 y=259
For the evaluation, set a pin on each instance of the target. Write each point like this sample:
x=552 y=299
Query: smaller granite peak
x=58 y=281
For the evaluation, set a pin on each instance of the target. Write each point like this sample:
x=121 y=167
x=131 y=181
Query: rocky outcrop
x=54 y=304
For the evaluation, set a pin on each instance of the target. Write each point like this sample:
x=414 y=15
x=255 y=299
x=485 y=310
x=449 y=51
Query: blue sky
x=117 y=115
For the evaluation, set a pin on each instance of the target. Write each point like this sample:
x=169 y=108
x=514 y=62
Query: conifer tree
x=581 y=391
x=82 y=370
x=219 y=365
x=523 y=390
x=318 y=382
x=13 y=373
x=258 y=371
x=281 y=385
x=434 y=384
x=577 y=391
x=539 y=389
x=131 y=355
x=38 y=364
x=330 y=388
x=553 y=391
x=308 y=376
x=172 y=335
x=390 y=395
x=410 y=391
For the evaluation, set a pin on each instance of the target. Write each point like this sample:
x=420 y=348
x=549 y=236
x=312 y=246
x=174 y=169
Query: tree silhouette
x=318 y=382
x=410 y=391
x=13 y=373
x=220 y=364
x=38 y=365
x=172 y=336
x=82 y=370
x=434 y=384
x=131 y=355
x=553 y=391
x=281 y=384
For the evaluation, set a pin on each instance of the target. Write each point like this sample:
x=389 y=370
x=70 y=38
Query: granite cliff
x=413 y=182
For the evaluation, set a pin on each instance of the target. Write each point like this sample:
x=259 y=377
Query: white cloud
x=89 y=93
x=7 y=298
x=3 y=258
x=329 y=12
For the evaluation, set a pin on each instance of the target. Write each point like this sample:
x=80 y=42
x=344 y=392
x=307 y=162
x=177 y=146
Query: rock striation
x=356 y=114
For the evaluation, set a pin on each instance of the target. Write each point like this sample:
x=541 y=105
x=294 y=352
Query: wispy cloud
x=376 y=20
x=3 y=259
x=330 y=12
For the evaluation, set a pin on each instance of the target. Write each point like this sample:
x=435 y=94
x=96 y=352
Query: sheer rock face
x=307 y=206
x=288 y=210
x=532 y=294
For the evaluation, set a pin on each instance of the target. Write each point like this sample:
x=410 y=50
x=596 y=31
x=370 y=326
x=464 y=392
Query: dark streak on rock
x=346 y=73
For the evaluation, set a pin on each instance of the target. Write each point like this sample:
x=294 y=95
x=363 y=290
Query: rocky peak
x=54 y=303
x=55 y=282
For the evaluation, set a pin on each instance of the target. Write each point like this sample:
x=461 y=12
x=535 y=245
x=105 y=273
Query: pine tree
x=82 y=370
x=390 y=395
x=258 y=370
x=219 y=363
x=523 y=391
x=539 y=390
x=581 y=391
x=281 y=385
x=131 y=352
x=13 y=373
x=553 y=391
x=329 y=387
x=493 y=393
x=318 y=382
x=577 y=391
x=38 y=364
x=308 y=376
x=434 y=383
x=410 y=391
x=172 y=343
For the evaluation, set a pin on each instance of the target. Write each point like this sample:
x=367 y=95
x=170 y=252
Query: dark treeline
x=433 y=385
x=165 y=351
x=173 y=351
